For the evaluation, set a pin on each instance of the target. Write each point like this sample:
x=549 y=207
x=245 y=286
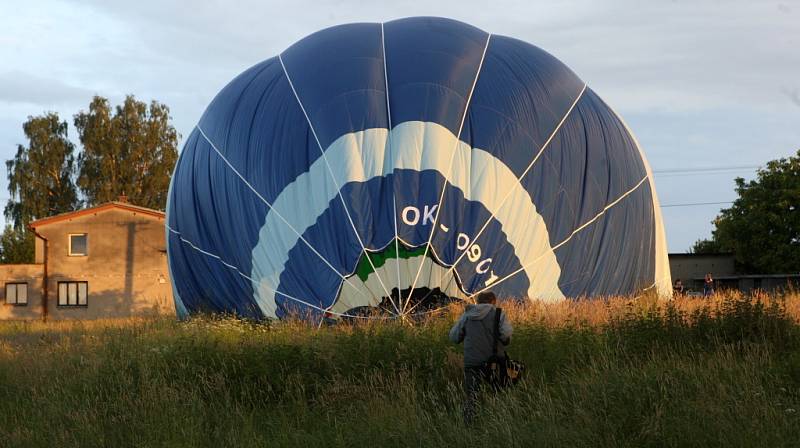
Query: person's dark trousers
x=473 y=377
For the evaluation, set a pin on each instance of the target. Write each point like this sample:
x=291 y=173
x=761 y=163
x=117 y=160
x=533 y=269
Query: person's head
x=486 y=297
x=678 y=282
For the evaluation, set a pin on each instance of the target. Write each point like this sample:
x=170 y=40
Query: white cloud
x=701 y=54
x=21 y=87
x=793 y=94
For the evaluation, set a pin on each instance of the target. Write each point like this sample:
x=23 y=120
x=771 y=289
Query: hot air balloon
x=403 y=165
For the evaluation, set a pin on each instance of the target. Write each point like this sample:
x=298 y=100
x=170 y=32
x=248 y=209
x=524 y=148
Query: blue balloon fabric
x=370 y=162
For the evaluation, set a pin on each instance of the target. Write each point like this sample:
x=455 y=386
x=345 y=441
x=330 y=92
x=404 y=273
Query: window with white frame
x=73 y=293
x=78 y=245
x=16 y=293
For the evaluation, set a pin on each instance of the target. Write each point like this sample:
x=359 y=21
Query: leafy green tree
x=40 y=176
x=706 y=246
x=40 y=181
x=16 y=247
x=130 y=150
x=762 y=227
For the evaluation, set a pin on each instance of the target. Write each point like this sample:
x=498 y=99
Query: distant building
x=107 y=261
x=692 y=268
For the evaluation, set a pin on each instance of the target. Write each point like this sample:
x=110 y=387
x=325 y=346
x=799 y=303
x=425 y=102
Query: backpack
x=500 y=371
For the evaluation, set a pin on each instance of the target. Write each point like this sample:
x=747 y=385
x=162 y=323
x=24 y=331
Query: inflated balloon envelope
x=402 y=165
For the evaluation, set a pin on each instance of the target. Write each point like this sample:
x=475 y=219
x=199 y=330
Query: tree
x=706 y=246
x=40 y=181
x=40 y=176
x=762 y=227
x=131 y=151
x=16 y=247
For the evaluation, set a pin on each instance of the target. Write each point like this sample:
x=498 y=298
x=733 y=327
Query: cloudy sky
x=703 y=84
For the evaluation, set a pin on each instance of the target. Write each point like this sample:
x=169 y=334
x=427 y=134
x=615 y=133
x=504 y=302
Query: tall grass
x=619 y=372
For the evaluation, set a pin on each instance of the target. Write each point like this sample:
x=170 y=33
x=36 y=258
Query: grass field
x=724 y=372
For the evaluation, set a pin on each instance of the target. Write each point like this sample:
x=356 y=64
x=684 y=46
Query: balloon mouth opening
x=419 y=302
x=400 y=281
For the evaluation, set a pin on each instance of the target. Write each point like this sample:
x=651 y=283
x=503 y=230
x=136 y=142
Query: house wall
x=38 y=250
x=33 y=275
x=690 y=267
x=126 y=265
x=767 y=283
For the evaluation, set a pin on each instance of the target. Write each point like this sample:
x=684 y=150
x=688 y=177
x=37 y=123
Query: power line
x=692 y=204
x=705 y=170
x=703 y=173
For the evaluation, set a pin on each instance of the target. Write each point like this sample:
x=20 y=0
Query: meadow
x=617 y=372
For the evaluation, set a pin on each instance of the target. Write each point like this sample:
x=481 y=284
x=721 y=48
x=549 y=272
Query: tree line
x=129 y=149
x=762 y=226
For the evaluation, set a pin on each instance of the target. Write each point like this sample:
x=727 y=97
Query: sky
x=702 y=84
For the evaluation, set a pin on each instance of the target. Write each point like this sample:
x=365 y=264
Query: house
x=107 y=261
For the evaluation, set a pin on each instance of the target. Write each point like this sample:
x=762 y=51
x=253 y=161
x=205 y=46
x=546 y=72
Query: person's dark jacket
x=475 y=329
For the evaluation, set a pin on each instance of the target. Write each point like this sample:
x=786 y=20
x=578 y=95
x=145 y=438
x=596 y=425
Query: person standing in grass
x=475 y=328
x=708 y=285
x=678 y=288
